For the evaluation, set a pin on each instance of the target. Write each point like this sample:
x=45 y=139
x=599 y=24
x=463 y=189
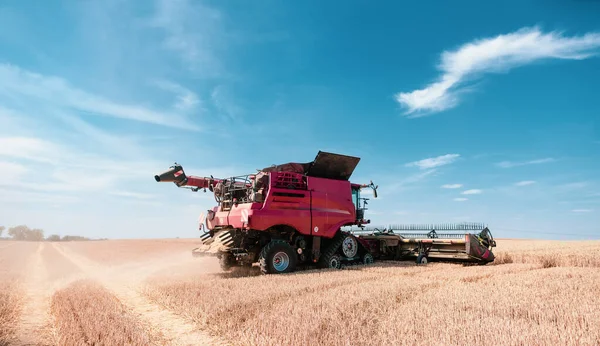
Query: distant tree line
x=24 y=233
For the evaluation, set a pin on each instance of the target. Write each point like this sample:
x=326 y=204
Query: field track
x=52 y=266
x=176 y=330
x=35 y=317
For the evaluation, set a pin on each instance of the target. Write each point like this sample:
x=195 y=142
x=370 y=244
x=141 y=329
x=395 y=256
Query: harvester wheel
x=330 y=257
x=277 y=257
x=350 y=246
x=334 y=262
x=367 y=259
x=422 y=259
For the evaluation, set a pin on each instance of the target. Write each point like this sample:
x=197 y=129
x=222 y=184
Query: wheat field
x=153 y=292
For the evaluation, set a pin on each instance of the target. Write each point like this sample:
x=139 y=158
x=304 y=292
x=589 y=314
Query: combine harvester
x=296 y=214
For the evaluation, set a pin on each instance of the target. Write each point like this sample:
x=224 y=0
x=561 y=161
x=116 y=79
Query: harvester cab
x=294 y=214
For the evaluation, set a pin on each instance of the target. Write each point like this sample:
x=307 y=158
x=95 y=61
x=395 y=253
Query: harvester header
x=295 y=214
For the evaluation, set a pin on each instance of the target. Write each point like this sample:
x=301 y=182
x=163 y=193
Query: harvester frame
x=296 y=214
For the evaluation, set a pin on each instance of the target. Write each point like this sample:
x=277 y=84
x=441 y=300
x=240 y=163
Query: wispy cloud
x=193 y=31
x=186 y=100
x=573 y=186
x=224 y=103
x=452 y=186
x=10 y=171
x=28 y=148
x=510 y=164
x=55 y=92
x=493 y=55
x=582 y=210
x=45 y=166
x=461 y=199
x=472 y=192
x=412 y=179
x=132 y=194
x=434 y=161
x=525 y=183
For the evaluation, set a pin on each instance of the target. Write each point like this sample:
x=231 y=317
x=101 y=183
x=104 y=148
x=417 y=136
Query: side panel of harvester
x=332 y=206
x=290 y=207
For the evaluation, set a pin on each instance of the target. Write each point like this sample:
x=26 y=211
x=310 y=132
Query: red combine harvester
x=295 y=214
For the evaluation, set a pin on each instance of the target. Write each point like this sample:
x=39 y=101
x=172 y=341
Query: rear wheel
x=277 y=257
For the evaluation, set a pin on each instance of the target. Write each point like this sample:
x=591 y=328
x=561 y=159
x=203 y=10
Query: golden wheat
x=14 y=258
x=527 y=301
x=535 y=293
x=9 y=311
x=87 y=314
x=549 y=253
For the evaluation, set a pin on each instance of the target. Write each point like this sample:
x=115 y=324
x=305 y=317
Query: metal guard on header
x=214 y=243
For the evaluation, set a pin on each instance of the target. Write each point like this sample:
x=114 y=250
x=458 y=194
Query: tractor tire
x=277 y=257
x=422 y=260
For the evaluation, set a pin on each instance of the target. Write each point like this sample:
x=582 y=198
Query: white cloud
x=132 y=194
x=434 y=161
x=525 y=183
x=574 y=186
x=10 y=171
x=510 y=164
x=581 y=210
x=57 y=92
x=472 y=192
x=193 y=31
x=399 y=185
x=46 y=166
x=461 y=199
x=452 y=186
x=34 y=149
x=493 y=55
x=223 y=102
x=12 y=196
x=186 y=99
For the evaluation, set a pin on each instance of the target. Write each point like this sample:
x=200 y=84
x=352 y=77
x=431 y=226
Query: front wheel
x=277 y=257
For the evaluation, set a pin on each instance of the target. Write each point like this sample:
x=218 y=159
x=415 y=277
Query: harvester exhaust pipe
x=174 y=174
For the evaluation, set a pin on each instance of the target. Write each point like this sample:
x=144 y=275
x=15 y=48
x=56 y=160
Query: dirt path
x=123 y=284
x=33 y=327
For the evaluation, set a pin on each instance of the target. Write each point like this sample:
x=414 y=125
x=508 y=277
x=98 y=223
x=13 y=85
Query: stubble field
x=153 y=292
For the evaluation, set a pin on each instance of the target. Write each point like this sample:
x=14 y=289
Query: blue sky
x=459 y=112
